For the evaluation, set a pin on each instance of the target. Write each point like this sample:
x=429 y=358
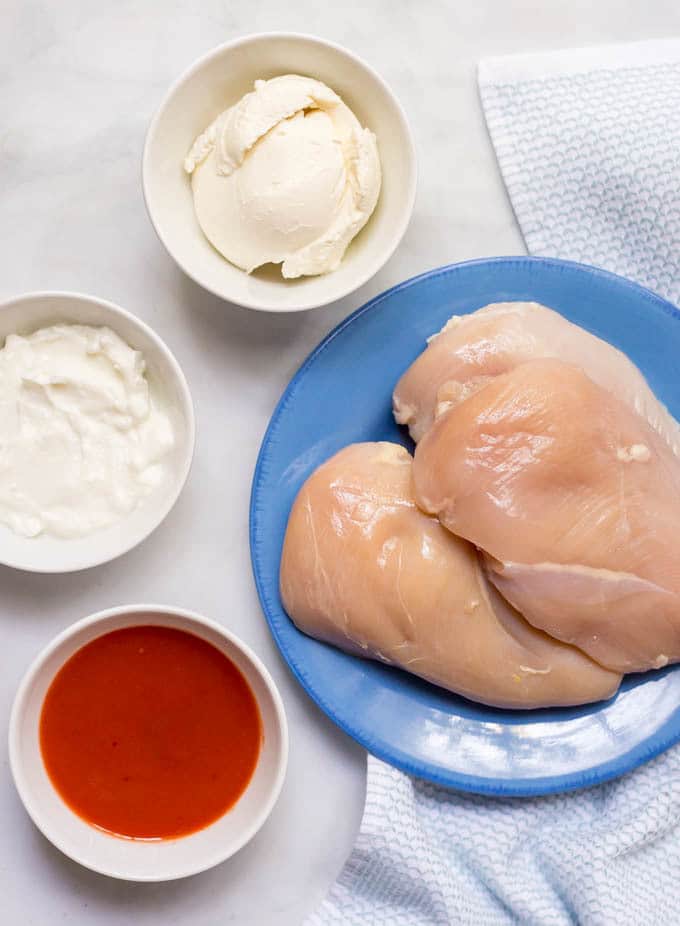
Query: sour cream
x=83 y=439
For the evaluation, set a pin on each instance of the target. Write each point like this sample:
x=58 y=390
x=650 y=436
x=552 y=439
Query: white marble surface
x=80 y=81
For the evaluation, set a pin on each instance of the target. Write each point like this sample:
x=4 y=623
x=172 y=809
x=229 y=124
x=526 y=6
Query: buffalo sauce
x=150 y=733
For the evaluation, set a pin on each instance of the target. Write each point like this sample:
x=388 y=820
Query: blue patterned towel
x=589 y=145
x=426 y=857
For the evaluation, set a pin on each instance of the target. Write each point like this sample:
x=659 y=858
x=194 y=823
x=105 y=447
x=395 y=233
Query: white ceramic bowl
x=136 y=860
x=219 y=80
x=26 y=314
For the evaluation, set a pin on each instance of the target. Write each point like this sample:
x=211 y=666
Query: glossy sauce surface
x=150 y=733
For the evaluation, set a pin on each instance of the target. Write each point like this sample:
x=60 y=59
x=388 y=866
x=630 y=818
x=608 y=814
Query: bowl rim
x=188 y=413
x=411 y=157
x=190 y=618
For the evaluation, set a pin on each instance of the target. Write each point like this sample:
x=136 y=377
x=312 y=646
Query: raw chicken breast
x=472 y=349
x=576 y=500
x=363 y=568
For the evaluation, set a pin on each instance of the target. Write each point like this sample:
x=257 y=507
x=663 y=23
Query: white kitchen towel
x=588 y=142
x=589 y=145
x=606 y=856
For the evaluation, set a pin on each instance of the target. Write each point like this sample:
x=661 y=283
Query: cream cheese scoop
x=286 y=176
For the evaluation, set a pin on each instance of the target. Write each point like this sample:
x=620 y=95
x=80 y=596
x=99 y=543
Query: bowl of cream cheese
x=96 y=431
x=280 y=172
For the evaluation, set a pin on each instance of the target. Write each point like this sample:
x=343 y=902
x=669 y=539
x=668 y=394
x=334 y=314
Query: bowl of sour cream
x=280 y=172
x=96 y=431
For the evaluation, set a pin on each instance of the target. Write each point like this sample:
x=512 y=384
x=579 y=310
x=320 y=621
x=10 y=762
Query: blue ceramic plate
x=341 y=394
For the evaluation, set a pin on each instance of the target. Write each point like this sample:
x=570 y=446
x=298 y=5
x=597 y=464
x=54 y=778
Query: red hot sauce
x=150 y=733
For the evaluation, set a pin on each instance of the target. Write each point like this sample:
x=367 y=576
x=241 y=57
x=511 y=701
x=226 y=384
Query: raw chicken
x=576 y=500
x=472 y=349
x=363 y=568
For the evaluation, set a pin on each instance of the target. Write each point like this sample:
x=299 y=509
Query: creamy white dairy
x=286 y=176
x=82 y=439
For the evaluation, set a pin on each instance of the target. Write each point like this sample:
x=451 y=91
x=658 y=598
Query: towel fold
x=588 y=142
x=606 y=856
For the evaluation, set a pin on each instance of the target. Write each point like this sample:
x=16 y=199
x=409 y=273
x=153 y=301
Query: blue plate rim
x=644 y=752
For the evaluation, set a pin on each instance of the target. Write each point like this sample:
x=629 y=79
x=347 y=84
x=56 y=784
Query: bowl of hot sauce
x=148 y=743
